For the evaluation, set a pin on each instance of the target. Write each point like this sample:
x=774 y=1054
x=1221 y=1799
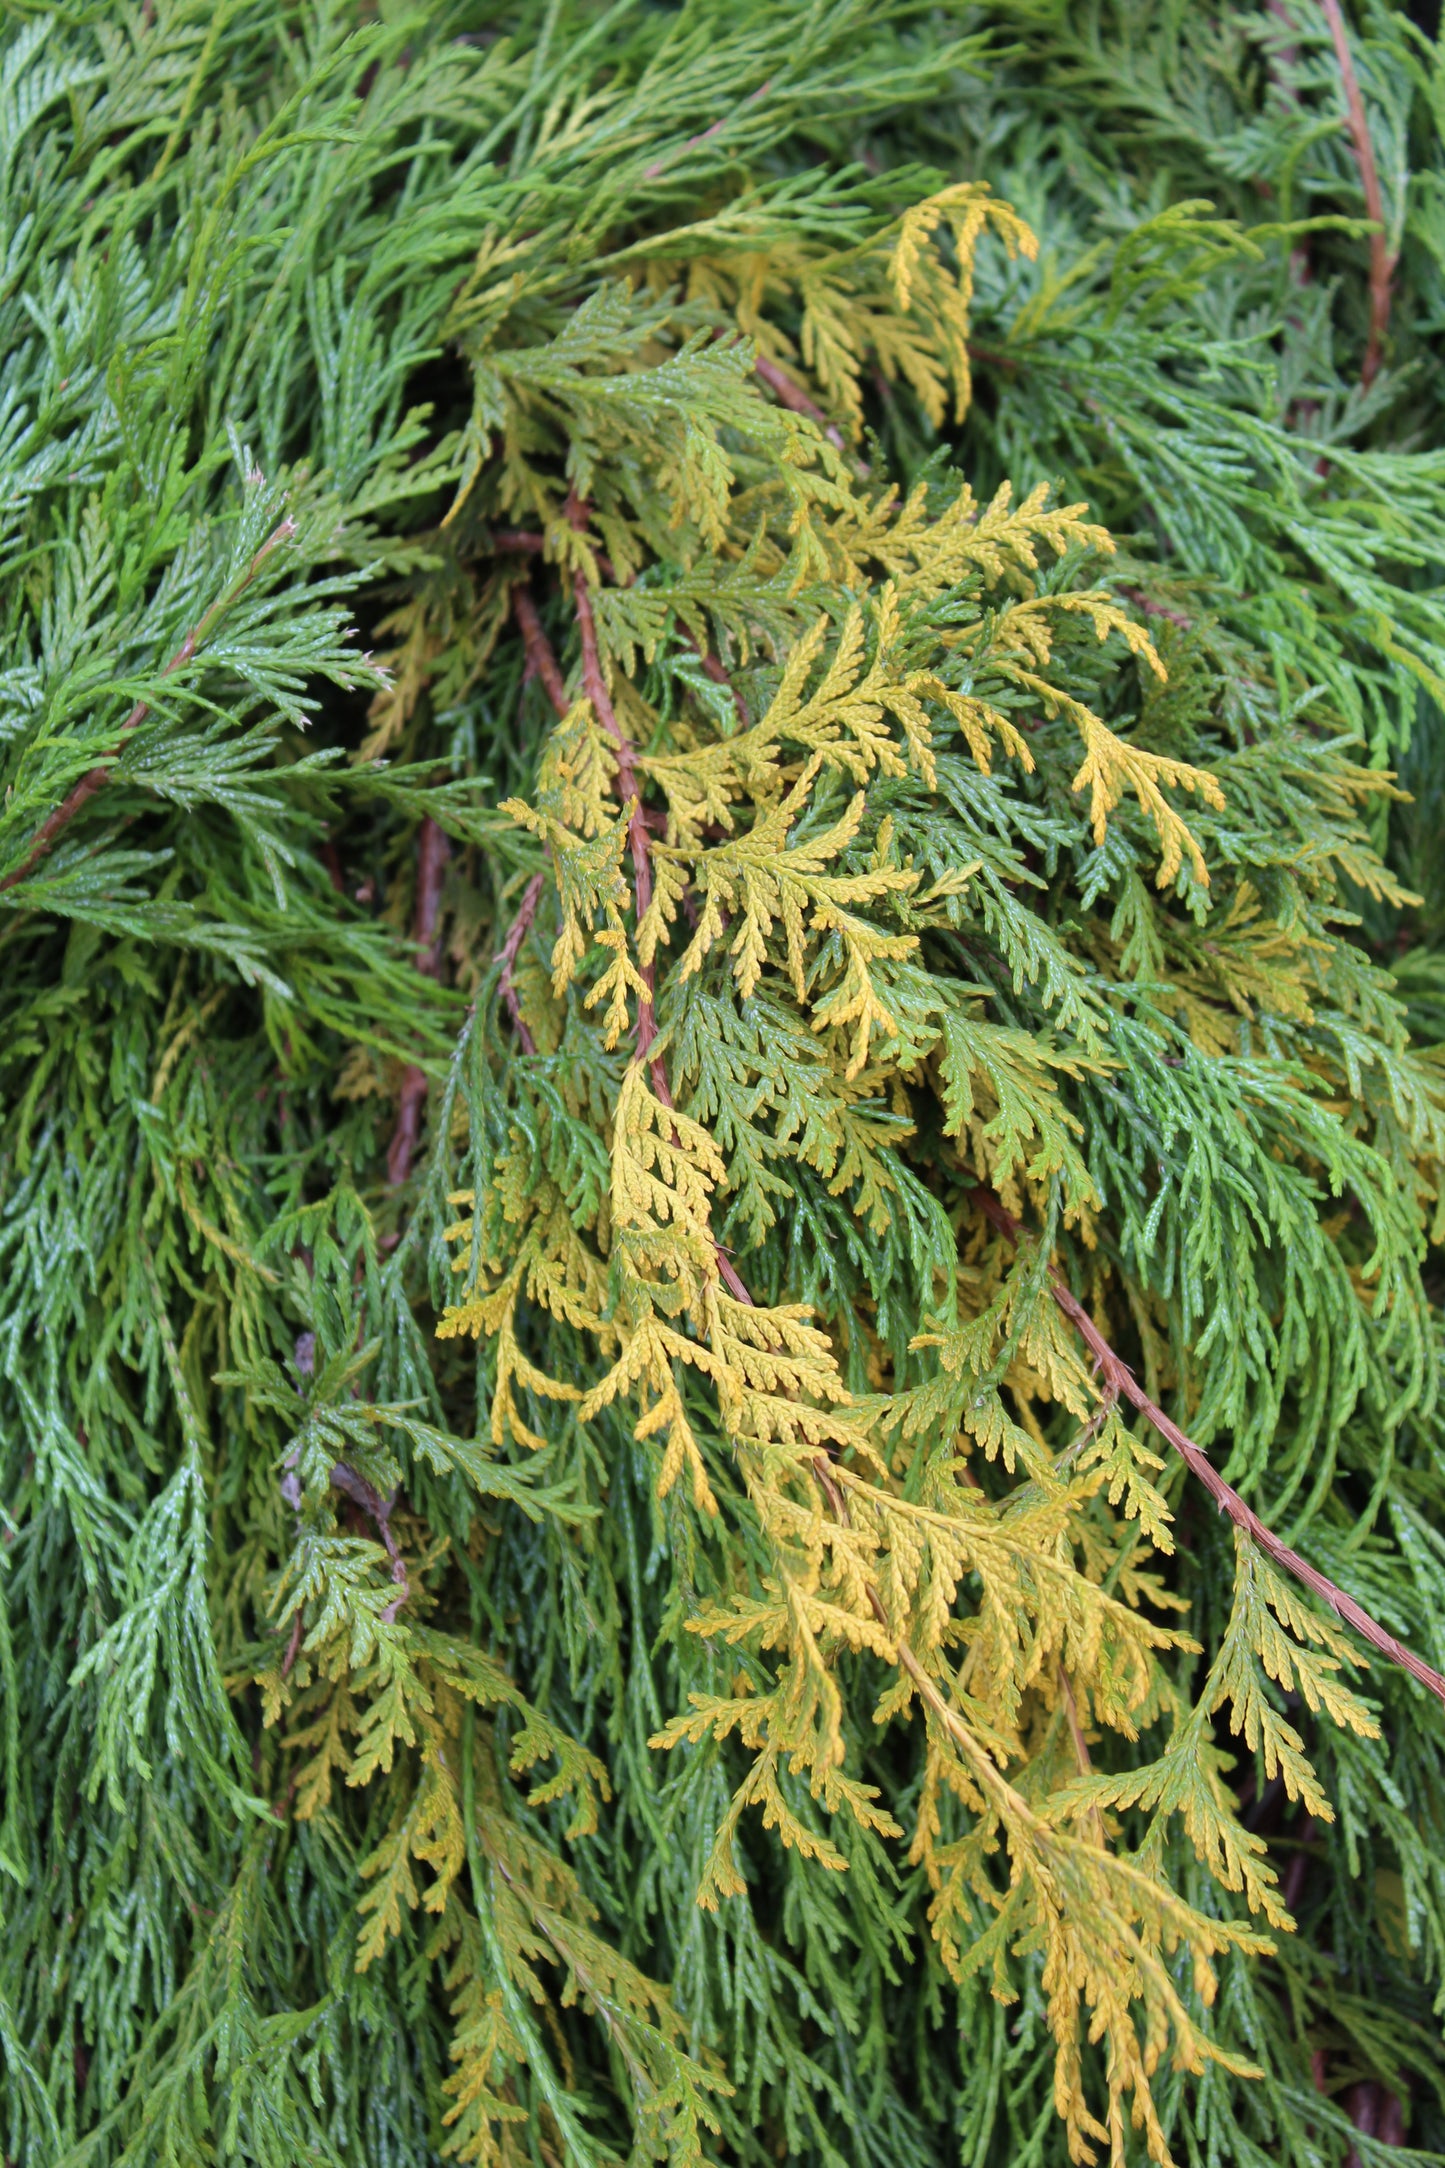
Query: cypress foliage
x=722 y=984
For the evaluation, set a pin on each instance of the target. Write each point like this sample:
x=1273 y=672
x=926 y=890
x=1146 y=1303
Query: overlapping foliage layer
x=687 y=695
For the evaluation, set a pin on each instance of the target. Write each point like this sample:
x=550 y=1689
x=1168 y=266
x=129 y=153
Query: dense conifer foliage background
x=722 y=1083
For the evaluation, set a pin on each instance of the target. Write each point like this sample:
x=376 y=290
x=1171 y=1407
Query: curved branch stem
x=541 y=662
x=355 y=1487
x=792 y=395
x=506 y=956
x=1382 y=263
x=594 y=685
x=1118 y=1377
x=48 y=834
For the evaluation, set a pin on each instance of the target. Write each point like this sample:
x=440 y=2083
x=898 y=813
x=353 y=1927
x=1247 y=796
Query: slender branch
x=992 y=357
x=544 y=666
x=432 y=853
x=824 y=1477
x=541 y=662
x=355 y=1487
x=1376 y=2114
x=525 y=542
x=924 y=1685
x=1137 y=596
x=659 y=165
x=1118 y=1378
x=1283 y=59
x=432 y=850
x=1117 y=1374
x=52 y=827
x=331 y=859
x=293 y=1646
x=727 y=1270
x=539 y=654
x=594 y=684
x=712 y=668
x=1382 y=263
x=506 y=956
x=1080 y=1745
x=792 y=395
x=1292 y=1888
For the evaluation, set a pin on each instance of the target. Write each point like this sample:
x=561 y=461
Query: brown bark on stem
x=713 y=669
x=594 y=684
x=540 y=660
x=48 y=834
x=1382 y=263
x=792 y=395
x=544 y=666
x=1117 y=1376
x=659 y=165
x=506 y=956
x=345 y=1479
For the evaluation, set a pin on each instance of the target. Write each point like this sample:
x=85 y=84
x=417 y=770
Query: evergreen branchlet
x=723 y=966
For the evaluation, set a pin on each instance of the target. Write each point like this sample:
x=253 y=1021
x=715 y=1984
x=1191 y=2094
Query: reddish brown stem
x=522 y=541
x=408 y=1127
x=544 y=666
x=540 y=659
x=48 y=834
x=1281 y=65
x=1080 y=1745
x=1382 y=263
x=659 y=165
x=713 y=669
x=541 y=662
x=594 y=684
x=728 y=1272
x=993 y=358
x=1137 y=596
x=1375 y=2113
x=432 y=852
x=345 y=1479
x=791 y=395
x=506 y=956
x=1288 y=55
x=1117 y=1375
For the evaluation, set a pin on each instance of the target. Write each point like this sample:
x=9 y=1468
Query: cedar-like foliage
x=717 y=996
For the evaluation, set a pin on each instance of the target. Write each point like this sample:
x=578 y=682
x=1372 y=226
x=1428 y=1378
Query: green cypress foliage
x=722 y=966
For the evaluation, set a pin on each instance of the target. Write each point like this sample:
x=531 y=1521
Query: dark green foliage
x=572 y=730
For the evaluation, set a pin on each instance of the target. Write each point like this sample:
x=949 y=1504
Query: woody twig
x=1118 y=1377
